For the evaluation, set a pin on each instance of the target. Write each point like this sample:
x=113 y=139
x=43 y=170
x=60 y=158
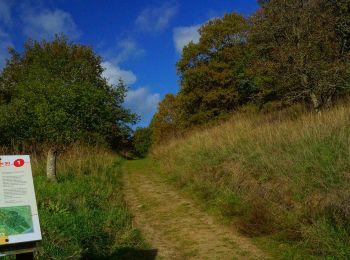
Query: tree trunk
x=51 y=165
x=329 y=100
x=316 y=103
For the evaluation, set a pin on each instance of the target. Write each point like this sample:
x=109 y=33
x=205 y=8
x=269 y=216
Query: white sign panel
x=19 y=220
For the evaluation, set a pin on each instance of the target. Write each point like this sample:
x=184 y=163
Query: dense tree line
x=287 y=52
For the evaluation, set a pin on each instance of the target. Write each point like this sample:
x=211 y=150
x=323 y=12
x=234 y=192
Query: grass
x=282 y=179
x=84 y=216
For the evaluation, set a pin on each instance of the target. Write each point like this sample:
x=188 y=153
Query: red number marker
x=18 y=163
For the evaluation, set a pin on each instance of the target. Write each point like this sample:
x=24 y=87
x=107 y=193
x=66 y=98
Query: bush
x=142 y=141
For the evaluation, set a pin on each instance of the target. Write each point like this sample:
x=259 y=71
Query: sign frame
x=21 y=230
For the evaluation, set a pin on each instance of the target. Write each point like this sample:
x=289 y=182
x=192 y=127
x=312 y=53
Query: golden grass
x=281 y=173
x=77 y=158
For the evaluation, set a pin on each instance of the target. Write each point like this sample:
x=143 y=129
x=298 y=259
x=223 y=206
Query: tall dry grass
x=76 y=159
x=282 y=174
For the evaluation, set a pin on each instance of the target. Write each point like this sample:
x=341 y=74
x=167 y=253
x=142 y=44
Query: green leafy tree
x=142 y=141
x=213 y=71
x=54 y=93
x=301 y=50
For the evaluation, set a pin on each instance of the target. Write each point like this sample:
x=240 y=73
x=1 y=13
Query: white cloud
x=142 y=102
x=184 y=35
x=128 y=49
x=113 y=73
x=156 y=18
x=44 y=24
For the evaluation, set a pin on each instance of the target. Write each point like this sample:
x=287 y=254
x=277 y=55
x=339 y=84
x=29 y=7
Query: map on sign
x=16 y=220
x=19 y=220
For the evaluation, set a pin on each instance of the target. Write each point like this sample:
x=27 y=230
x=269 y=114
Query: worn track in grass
x=174 y=225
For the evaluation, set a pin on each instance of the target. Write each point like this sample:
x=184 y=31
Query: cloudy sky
x=139 y=40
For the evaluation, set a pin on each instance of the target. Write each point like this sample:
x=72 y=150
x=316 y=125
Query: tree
x=301 y=50
x=263 y=2
x=341 y=12
x=212 y=71
x=54 y=93
x=165 y=123
x=142 y=141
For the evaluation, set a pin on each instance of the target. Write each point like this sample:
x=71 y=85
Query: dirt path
x=174 y=225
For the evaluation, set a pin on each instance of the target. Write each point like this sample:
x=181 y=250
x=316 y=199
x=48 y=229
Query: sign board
x=19 y=220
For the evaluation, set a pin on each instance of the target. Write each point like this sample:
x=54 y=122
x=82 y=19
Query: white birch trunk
x=316 y=103
x=51 y=165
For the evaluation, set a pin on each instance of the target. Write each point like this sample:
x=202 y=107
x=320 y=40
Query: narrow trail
x=174 y=225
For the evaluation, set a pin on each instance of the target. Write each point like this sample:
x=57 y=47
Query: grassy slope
x=274 y=177
x=84 y=215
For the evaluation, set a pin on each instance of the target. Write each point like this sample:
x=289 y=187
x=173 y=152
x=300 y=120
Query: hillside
x=281 y=178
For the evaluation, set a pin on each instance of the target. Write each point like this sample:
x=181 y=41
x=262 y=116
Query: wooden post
x=25 y=256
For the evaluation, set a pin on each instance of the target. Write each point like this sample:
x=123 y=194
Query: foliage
x=142 y=141
x=276 y=175
x=165 y=123
x=212 y=71
x=54 y=92
x=301 y=50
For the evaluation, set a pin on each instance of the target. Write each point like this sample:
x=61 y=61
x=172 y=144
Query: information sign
x=19 y=220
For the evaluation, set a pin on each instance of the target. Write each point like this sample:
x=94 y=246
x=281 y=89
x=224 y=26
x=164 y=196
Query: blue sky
x=139 y=41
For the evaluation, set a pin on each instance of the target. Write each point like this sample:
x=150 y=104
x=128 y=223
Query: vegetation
x=164 y=123
x=299 y=60
x=212 y=72
x=84 y=215
x=142 y=141
x=280 y=175
x=54 y=93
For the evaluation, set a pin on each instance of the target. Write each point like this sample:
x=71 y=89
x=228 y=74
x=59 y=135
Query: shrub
x=142 y=141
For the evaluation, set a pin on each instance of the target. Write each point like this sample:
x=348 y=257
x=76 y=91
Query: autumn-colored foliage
x=301 y=50
x=165 y=123
x=212 y=71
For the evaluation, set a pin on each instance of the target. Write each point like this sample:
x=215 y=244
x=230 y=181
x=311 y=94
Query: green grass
x=282 y=181
x=84 y=215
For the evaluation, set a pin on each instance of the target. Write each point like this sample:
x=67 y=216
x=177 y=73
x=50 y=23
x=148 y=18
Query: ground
x=174 y=225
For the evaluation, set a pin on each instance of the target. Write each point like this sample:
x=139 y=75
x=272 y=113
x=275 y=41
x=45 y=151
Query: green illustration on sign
x=15 y=220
